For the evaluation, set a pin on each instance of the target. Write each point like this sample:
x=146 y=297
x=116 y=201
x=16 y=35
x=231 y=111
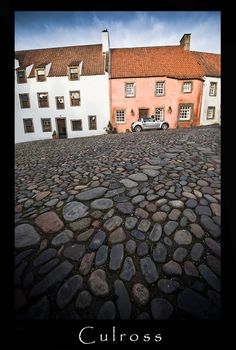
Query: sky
x=35 y=29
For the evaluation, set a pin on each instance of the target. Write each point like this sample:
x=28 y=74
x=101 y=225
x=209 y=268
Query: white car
x=148 y=123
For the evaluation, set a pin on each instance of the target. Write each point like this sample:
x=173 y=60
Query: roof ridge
x=57 y=47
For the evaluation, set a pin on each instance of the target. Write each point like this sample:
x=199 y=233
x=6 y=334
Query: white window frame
x=187 y=84
x=212 y=109
x=160 y=88
x=159 y=116
x=131 y=87
x=120 y=114
x=185 y=109
x=213 y=88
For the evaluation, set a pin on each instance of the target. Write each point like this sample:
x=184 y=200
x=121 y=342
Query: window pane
x=120 y=116
x=28 y=125
x=46 y=124
x=160 y=88
x=159 y=113
x=129 y=89
x=76 y=125
x=92 y=122
x=187 y=87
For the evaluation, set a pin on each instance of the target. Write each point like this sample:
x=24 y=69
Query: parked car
x=148 y=123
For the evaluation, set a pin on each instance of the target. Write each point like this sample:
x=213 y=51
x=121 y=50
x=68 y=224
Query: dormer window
x=40 y=74
x=73 y=73
x=21 y=76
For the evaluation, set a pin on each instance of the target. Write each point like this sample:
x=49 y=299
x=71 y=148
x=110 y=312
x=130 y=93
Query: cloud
x=126 y=29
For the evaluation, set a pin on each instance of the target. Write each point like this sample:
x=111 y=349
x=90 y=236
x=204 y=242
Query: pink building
x=165 y=81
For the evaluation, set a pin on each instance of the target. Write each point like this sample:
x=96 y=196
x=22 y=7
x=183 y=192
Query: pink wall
x=145 y=98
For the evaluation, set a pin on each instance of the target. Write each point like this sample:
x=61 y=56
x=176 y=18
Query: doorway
x=61 y=128
x=143 y=112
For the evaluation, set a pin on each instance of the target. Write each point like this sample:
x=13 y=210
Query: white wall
x=211 y=101
x=94 y=96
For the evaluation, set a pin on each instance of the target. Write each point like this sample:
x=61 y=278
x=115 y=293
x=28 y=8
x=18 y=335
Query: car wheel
x=164 y=126
x=137 y=128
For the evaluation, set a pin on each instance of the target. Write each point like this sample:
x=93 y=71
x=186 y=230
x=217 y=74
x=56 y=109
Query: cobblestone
x=141 y=207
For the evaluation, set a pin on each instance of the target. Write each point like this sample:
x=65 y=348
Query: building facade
x=75 y=91
x=165 y=82
x=62 y=89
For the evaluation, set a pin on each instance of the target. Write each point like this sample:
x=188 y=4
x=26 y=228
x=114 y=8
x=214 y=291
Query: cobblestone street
x=119 y=226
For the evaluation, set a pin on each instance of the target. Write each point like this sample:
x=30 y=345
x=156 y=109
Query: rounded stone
x=74 y=251
x=161 y=309
x=130 y=222
x=68 y=290
x=130 y=246
x=128 y=271
x=102 y=204
x=170 y=227
x=197 y=231
x=197 y=251
x=25 y=236
x=62 y=238
x=190 y=215
x=167 y=286
x=101 y=255
x=107 y=311
x=179 y=254
x=97 y=283
x=159 y=216
x=129 y=183
x=83 y=300
x=112 y=223
x=117 y=236
x=144 y=225
x=91 y=194
x=183 y=237
x=176 y=204
x=74 y=210
x=159 y=252
x=191 y=203
x=156 y=233
x=142 y=249
x=190 y=269
x=140 y=293
x=138 y=177
x=172 y=268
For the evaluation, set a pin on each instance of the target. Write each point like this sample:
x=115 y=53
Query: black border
x=64 y=334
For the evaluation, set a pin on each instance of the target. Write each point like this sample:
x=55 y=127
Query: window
x=46 y=124
x=76 y=125
x=21 y=76
x=92 y=122
x=40 y=74
x=60 y=102
x=129 y=90
x=73 y=73
x=75 y=98
x=212 y=91
x=185 y=112
x=211 y=112
x=159 y=114
x=24 y=100
x=160 y=88
x=28 y=125
x=43 y=99
x=120 y=116
x=187 y=86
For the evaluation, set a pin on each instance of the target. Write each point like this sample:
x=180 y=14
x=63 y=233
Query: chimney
x=185 y=42
x=105 y=41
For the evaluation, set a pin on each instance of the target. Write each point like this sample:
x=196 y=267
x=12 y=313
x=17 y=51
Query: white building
x=211 y=91
x=211 y=101
x=65 y=89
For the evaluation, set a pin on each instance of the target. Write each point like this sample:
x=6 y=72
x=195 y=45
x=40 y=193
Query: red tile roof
x=210 y=62
x=170 y=61
x=61 y=57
